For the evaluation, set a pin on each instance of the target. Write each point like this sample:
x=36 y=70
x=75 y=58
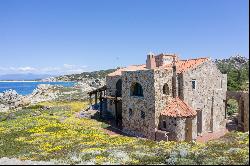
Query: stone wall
x=243 y=108
x=161 y=135
x=134 y=123
x=245 y=98
x=162 y=77
x=209 y=95
x=175 y=128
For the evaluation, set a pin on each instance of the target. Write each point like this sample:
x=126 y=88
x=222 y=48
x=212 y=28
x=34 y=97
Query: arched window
x=136 y=90
x=119 y=88
x=166 y=89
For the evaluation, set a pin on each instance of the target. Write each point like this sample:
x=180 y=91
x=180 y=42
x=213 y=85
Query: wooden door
x=188 y=133
x=199 y=122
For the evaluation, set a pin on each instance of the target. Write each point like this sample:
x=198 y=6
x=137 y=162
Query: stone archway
x=243 y=107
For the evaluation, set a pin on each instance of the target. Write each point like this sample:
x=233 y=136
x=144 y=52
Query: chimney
x=150 y=62
x=174 y=86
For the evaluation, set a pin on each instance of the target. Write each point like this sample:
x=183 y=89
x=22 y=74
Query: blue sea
x=25 y=88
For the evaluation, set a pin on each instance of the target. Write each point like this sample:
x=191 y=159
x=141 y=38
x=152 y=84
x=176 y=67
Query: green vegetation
x=79 y=77
x=52 y=131
x=70 y=94
x=232 y=107
x=237 y=70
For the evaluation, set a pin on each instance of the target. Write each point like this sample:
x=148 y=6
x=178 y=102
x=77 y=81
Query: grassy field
x=51 y=131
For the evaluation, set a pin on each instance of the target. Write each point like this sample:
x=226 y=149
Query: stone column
x=95 y=98
x=226 y=109
x=116 y=119
x=174 y=86
x=100 y=104
x=90 y=101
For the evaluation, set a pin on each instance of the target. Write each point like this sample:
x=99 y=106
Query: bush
x=232 y=107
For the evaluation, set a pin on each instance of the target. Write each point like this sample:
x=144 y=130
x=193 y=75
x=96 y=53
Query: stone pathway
x=210 y=136
x=111 y=133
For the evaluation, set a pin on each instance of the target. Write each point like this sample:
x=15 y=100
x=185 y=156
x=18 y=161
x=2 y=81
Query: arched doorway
x=232 y=113
x=119 y=88
x=118 y=104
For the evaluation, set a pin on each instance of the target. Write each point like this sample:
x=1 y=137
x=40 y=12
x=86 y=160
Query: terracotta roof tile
x=129 y=68
x=178 y=108
x=181 y=66
x=184 y=65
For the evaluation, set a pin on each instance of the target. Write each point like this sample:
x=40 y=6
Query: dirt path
x=14 y=161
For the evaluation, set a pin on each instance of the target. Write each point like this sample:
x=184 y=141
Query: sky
x=72 y=36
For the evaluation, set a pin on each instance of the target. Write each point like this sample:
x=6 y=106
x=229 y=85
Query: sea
x=27 y=87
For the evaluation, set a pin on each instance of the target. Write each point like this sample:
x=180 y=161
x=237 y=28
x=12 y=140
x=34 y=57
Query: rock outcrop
x=88 y=84
x=44 y=92
x=10 y=99
x=50 y=79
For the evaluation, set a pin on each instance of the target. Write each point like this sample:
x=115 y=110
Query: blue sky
x=71 y=36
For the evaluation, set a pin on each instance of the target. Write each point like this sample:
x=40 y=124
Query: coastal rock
x=44 y=92
x=10 y=99
x=88 y=84
x=50 y=79
x=3 y=108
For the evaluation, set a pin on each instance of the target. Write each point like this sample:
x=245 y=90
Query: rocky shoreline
x=10 y=99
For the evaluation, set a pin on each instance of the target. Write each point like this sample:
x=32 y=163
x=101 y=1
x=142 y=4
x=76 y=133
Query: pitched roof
x=178 y=108
x=184 y=65
x=181 y=66
x=129 y=68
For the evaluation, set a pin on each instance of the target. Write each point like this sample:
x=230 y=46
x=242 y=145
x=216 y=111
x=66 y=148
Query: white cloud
x=68 y=66
x=26 y=69
x=64 y=69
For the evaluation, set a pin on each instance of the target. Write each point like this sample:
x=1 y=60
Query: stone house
x=168 y=98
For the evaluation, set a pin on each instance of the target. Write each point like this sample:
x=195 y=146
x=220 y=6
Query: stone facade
x=137 y=104
x=141 y=115
x=209 y=96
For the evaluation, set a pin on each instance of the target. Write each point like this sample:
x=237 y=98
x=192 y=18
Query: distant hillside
x=79 y=77
x=23 y=77
x=237 y=70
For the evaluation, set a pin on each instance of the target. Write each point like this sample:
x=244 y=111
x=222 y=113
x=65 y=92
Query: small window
x=136 y=90
x=193 y=84
x=221 y=83
x=142 y=114
x=166 y=89
x=130 y=112
x=164 y=124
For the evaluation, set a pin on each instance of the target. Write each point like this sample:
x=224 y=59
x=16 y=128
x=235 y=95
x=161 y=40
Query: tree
x=237 y=70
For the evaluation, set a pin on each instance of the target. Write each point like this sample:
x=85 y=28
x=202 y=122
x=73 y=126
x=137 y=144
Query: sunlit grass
x=51 y=130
